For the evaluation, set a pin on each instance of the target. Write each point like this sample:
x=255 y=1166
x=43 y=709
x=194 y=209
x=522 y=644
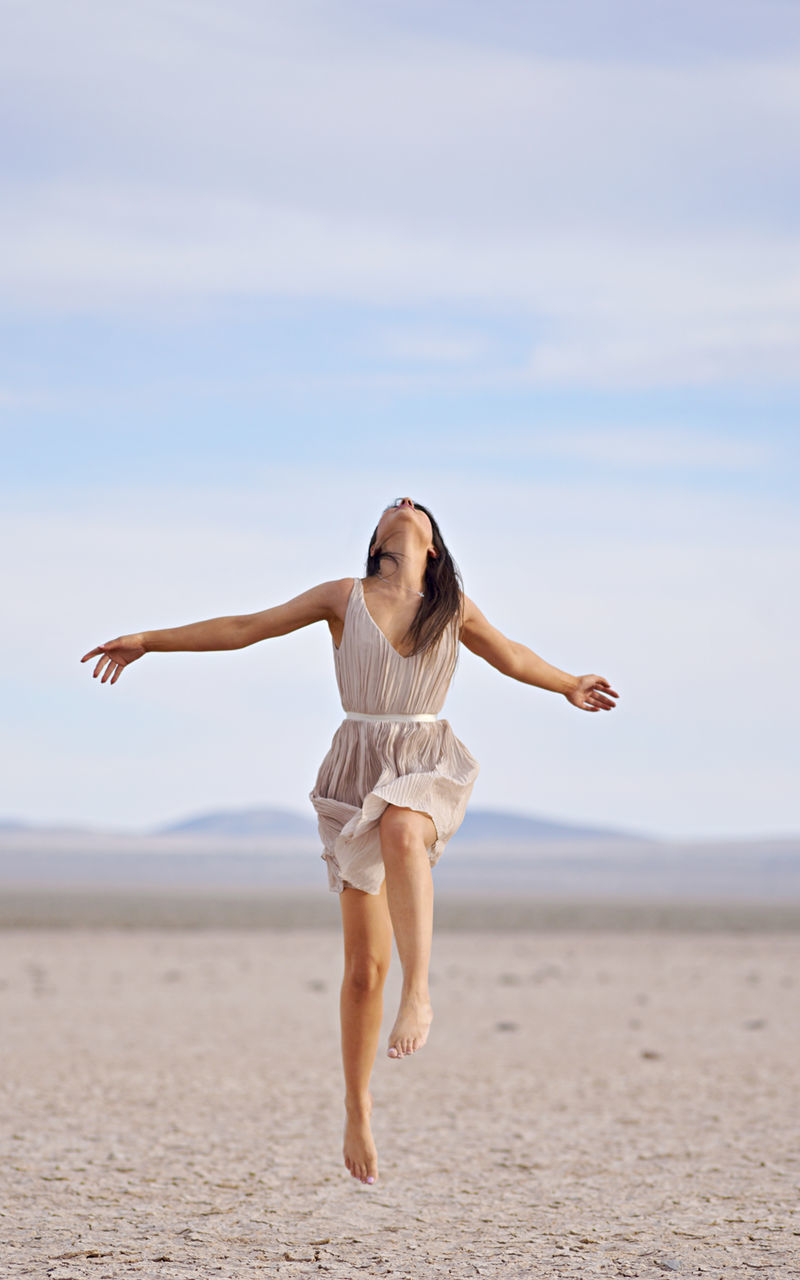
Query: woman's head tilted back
x=442 y=602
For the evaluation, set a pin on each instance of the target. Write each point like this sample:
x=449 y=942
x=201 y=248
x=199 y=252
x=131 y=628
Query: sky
x=266 y=267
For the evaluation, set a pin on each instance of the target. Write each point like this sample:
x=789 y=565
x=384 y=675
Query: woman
x=395 y=783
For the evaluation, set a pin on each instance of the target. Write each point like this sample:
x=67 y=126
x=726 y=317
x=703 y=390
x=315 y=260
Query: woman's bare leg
x=367 y=953
x=406 y=837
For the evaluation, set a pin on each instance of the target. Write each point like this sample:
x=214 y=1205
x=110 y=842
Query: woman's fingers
x=598 y=695
x=107 y=666
x=115 y=656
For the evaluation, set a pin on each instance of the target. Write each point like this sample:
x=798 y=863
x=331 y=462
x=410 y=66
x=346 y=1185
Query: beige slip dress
x=372 y=764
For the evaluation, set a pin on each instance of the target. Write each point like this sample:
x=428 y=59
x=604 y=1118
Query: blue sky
x=267 y=266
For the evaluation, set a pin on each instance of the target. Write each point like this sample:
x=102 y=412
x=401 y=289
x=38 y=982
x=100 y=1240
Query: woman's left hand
x=593 y=693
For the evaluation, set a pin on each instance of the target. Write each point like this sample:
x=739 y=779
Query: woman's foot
x=411 y=1027
x=360 y=1152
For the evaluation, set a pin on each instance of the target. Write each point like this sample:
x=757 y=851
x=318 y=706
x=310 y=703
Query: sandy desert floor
x=590 y=1104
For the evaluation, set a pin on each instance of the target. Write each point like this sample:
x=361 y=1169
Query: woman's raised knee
x=401 y=832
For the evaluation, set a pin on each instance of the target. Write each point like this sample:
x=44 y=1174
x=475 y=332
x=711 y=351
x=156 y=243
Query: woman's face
x=400 y=515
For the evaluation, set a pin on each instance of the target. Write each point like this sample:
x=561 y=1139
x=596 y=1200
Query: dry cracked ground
x=588 y=1105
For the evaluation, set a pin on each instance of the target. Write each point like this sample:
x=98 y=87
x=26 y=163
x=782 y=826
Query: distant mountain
x=243 y=822
x=10 y=827
x=479 y=826
x=496 y=825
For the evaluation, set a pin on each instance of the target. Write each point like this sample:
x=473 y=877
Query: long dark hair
x=443 y=589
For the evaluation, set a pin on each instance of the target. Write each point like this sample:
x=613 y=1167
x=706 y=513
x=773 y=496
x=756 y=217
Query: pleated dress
x=371 y=764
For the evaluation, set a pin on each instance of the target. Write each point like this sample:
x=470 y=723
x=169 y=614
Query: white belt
x=397 y=719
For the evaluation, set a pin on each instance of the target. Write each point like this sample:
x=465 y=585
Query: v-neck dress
x=371 y=764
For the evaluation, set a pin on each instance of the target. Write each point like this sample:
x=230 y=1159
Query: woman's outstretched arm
x=325 y=602
x=590 y=693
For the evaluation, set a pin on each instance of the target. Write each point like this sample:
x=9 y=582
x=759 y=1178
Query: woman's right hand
x=115 y=656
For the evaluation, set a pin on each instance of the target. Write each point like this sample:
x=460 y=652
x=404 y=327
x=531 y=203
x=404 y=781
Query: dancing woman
x=394 y=786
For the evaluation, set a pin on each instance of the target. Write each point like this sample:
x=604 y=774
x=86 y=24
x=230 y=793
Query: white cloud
x=613 y=310
x=433 y=346
x=640 y=216
x=629 y=448
x=279 y=101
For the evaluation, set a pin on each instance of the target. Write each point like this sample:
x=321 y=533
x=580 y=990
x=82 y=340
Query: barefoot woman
x=395 y=783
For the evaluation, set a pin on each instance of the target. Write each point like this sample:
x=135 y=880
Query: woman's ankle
x=415 y=992
x=358 y=1103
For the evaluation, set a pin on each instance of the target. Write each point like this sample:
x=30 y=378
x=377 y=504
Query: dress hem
x=363 y=823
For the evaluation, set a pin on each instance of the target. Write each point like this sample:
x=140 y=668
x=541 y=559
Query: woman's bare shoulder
x=476 y=629
x=336 y=594
x=469 y=611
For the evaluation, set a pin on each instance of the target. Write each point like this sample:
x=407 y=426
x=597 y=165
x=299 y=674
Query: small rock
x=506 y=1026
x=755 y=1024
x=652 y=1054
x=668 y=1264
